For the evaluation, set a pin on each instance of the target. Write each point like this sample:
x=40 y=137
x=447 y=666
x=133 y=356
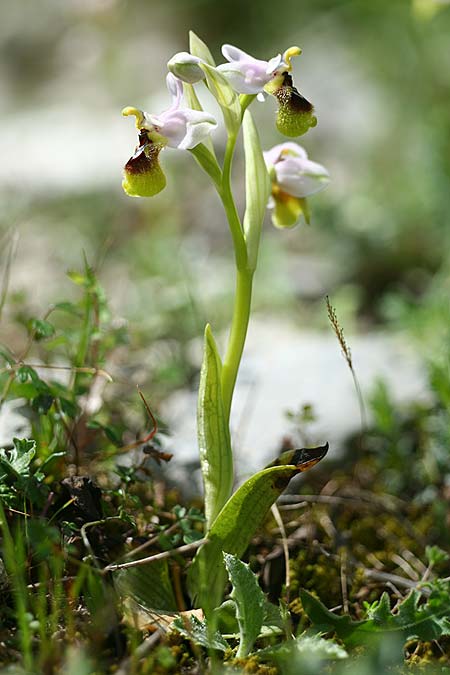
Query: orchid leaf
x=257 y=188
x=200 y=49
x=238 y=521
x=250 y=603
x=216 y=458
x=147 y=585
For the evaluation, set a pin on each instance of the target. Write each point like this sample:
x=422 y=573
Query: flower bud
x=186 y=67
x=295 y=114
x=143 y=176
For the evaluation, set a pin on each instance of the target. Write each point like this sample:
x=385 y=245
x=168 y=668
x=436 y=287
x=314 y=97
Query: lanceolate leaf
x=250 y=603
x=257 y=188
x=198 y=48
x=239 y=519
x=216 y=459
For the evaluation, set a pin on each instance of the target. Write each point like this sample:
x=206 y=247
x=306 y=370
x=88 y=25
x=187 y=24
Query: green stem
x=238 y=333
x=244 y=278
x=237 y=233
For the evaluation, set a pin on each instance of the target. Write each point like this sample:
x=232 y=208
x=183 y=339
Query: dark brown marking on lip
x=287 y=94
x=145 y=155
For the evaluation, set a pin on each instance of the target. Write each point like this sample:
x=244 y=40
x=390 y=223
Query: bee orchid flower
x=294 y=177
x=248 y=75
x=176 y=127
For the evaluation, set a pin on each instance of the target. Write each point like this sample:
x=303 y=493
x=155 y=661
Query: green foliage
x=199 y=48
x=305 y=654
x=249 y=600
x=226 y=97
x=148 y=585
x=200 y=633
x=411 y=620
x=257 y=188
x=214 y=444
x=232 y=531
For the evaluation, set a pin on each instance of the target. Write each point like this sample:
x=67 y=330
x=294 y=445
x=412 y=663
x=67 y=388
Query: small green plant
x=282 y=178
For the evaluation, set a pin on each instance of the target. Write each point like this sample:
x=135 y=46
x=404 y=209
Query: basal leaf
x=216 y=459
x=257 y=188
x=148 y=585
x=250 y=602
x=239 y=519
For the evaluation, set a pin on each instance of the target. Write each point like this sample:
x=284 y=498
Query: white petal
x=283 y=150
x=186 y=67
x=301 y=177
x=274 y=64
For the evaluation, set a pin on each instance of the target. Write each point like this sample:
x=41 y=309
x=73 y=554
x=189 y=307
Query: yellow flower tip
x=129 y=110
x=289 y=54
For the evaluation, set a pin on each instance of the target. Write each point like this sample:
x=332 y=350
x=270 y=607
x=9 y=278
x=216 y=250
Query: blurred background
x=379 y=76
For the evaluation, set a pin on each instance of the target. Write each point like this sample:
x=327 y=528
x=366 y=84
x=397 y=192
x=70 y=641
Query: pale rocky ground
x=284 y=368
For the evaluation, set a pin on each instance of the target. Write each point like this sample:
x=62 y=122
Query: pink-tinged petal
x=238 y=79
x=246 y=74
x=185 y=128
x=234 y=53
x=175 y=87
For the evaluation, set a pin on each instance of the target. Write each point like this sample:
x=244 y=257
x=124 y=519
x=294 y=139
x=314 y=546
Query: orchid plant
x=279 y=179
